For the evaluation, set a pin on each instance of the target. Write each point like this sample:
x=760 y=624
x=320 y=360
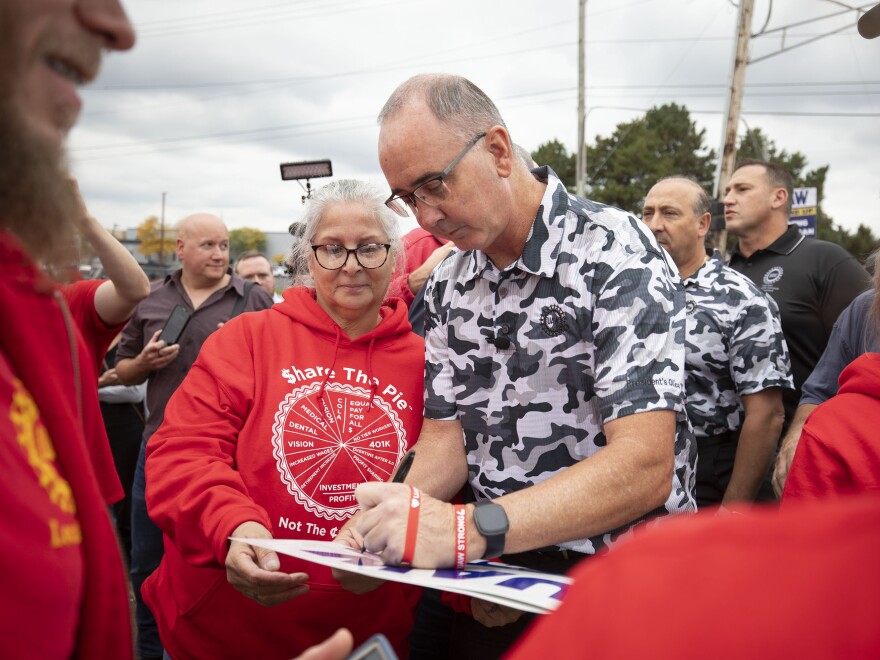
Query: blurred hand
x=353 y=582
x=336 y=647
x=82 y=214
x=255 y=571
x=492 y=615
x=108 y=378
x=783 y=464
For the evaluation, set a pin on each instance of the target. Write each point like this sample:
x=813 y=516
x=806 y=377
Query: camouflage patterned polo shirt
x=587 y=326
x=735 y=346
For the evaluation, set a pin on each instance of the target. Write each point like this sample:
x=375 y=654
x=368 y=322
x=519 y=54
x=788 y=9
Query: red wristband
x=460 y=536
x=412 y=525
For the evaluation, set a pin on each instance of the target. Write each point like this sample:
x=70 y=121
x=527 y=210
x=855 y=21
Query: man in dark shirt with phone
x=206 y=287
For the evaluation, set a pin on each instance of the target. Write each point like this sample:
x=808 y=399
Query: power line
x=137 y=148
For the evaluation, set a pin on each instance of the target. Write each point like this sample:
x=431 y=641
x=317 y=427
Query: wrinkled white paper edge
x=541 y=597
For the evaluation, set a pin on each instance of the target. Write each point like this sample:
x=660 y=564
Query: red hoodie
x=274 y=424
x=64 y=591
x=839 y=449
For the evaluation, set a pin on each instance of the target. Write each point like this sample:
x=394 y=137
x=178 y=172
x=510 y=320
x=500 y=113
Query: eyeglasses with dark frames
x=332 y=256
x=432 y=192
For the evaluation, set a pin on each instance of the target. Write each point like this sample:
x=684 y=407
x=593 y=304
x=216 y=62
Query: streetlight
x=306 y=169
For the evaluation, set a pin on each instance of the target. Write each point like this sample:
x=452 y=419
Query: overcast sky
x=216 y=94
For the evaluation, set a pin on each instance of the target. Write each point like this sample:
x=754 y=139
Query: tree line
x=623 y=166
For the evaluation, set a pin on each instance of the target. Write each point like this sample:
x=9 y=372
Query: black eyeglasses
x=332 y=256
x=433 y=191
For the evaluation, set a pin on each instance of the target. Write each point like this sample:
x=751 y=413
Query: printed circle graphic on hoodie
x=325 y=449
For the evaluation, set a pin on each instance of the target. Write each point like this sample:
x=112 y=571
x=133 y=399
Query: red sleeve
x=194 y=493
x=418 y=245
x=80 y=298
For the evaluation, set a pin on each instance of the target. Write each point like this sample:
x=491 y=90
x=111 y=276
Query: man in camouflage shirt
x=736 y=358
x=554 y=353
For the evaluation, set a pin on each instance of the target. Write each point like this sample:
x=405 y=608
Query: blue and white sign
x=804 y=206
x=513 y=586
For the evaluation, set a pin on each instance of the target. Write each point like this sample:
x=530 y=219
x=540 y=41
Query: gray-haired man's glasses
x=433 y=191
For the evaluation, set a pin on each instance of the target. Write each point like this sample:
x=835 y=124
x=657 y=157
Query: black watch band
x=491 y=522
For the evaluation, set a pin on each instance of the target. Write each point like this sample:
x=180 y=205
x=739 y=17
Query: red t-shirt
x=80 y=298
x=63 y=583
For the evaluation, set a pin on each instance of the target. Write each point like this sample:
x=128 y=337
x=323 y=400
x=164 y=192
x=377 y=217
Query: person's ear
x=780 y=198
x=499 y=145
x=703 y=224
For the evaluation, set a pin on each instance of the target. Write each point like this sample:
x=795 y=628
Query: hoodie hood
x=862 y=376
x=300 y=304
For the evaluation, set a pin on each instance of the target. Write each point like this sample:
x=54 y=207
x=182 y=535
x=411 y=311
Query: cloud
x=217 y=94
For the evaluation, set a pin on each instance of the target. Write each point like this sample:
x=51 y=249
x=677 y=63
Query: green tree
x=149 y=233
x=244 y=239
x=755 y=144
x=622 y=167
x=554 y=154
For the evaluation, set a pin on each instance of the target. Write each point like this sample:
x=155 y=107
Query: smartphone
x=376 y=648
x=175 y=324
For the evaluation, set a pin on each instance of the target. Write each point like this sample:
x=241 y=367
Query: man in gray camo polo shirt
x=736 y=358
x=554 y=353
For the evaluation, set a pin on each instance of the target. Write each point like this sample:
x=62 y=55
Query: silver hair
x=341 y=192
x=453 y=100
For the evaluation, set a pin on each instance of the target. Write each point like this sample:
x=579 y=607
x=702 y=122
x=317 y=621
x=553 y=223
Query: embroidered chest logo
x=690 y=307
x=773 y=276
x=553 y=320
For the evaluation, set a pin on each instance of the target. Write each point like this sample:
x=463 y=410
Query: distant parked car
x=281 y=271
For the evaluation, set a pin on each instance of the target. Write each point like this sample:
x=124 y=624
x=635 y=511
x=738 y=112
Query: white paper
x=513 y=586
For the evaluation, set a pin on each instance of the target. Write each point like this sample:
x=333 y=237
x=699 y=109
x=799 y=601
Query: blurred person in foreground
x=64 y=590
x=736 y=361
x=284 y=413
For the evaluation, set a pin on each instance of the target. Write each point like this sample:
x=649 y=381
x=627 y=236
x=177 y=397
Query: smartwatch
x=491 y=521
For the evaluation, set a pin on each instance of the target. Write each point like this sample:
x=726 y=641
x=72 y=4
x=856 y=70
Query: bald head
x=203 y=249
x=198 y=223
x=676 y=211
x=454 y=101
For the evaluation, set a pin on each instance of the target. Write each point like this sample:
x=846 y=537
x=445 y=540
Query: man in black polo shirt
x=812 y=281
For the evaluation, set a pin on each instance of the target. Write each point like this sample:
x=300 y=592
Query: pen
x=405 y=465
x=402 y=471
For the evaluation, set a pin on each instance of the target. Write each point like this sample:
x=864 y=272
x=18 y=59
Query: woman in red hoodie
x=283 y=414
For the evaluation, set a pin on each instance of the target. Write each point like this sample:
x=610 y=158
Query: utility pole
x=734 y=105
x=580 y=168
x=162 y=235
